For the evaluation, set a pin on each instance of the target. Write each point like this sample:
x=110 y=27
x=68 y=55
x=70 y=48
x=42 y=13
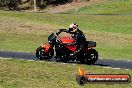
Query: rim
x=50 y=53
x=41 y=54
x=92 y=58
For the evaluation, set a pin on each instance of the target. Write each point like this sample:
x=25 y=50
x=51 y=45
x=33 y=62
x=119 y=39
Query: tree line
x=41 y=4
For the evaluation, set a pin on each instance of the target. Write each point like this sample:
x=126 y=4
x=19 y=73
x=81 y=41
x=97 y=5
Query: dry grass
x=15 y=26
x=19 y=27
x=109 y=38
x=32 y=28
x=70 y=6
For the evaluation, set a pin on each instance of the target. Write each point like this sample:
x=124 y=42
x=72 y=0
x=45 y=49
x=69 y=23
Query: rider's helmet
x=73 y=26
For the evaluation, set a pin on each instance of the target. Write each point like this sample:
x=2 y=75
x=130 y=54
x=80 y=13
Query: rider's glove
x=60 y=30
x=57 y=33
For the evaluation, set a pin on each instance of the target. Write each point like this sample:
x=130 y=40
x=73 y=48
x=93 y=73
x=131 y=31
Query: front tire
x=42 y=55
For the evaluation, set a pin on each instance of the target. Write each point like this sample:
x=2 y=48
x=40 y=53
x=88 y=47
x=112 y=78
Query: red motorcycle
x=63 y=50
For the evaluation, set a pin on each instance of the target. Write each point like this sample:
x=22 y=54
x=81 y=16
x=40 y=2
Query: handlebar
x=57 y=38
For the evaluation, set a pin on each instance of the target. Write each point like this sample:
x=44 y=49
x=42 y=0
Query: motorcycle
x=61 y=46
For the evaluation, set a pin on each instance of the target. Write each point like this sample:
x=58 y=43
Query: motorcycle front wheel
x=42 y=55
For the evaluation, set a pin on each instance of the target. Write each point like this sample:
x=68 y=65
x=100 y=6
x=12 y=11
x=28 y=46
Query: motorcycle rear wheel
x=42 y=55
x=90 y=58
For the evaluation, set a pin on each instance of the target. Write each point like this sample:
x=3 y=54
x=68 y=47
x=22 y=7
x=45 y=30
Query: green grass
x=43 y=74
x=115 y=51
x=20 y=42
x=117 y=24
x=108 y=7
x=113 y=34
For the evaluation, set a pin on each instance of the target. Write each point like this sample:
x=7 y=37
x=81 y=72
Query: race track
x=117 y=64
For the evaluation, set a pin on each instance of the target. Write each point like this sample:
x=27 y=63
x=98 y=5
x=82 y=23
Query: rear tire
x=42 y=55
x=91 y=57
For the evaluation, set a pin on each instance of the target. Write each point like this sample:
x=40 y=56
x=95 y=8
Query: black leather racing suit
x=78 y=37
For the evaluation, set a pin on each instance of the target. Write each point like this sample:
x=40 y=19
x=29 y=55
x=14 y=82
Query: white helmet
x=73 y=25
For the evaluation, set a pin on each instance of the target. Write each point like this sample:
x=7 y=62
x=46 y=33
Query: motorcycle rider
x=79 y=38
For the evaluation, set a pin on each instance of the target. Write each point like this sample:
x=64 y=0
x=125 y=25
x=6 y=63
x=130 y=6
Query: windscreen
x=51 y=37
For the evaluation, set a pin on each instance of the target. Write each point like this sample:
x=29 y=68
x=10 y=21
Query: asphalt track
x=116 y=64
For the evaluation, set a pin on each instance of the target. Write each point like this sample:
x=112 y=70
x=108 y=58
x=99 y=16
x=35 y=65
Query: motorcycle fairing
x=46 y=47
